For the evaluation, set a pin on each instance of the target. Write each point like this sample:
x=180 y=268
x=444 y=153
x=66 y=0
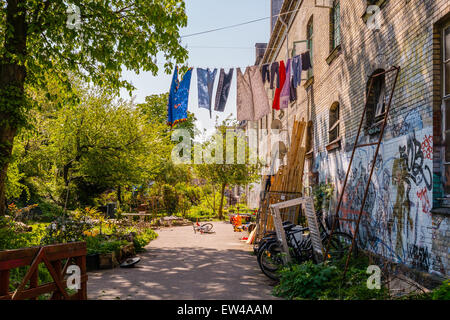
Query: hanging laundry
x=293 y=93
x=223 y=89
x=265 y=72
x=274 y=70
x=205 y=80
x=282 y=77
x=297 y=70
x=178 y=98
x=286 y=90
x=252 y=101
x=306 y=61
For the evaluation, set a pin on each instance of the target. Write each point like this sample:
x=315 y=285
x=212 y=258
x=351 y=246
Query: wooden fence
x=52 y=257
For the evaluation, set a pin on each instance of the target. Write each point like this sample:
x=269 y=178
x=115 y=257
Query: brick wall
x=397 y=222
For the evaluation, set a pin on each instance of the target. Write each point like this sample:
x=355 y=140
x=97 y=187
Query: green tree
x=227 y=174
x=99 y=144
x=37 y=38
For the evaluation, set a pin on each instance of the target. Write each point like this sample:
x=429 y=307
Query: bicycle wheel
x=206 y=227
x=270 y=259
x=340 y=246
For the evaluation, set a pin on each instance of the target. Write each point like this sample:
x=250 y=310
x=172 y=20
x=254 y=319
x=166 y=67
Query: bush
x=305 y=281
x=102 y=246
x=143 y=238
x=12 y=238
x=442 y=292
x=47 y=211
x=64 y=230
x=324 y=282
x=322 y=194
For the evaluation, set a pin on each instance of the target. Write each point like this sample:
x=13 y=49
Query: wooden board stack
x=289 y=177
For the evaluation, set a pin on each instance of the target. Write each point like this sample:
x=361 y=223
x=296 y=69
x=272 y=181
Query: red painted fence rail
x=52 y=257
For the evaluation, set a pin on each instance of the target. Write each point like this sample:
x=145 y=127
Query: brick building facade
x=406 y=217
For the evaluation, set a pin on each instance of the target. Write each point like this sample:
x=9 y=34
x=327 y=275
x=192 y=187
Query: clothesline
x=252 y=100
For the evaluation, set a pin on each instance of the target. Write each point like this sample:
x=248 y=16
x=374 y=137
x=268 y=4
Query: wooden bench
x=141 y=216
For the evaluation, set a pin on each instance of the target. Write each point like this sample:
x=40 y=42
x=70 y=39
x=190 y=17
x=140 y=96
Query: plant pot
x=92 y=262
x=126 y=252
x=108 y=260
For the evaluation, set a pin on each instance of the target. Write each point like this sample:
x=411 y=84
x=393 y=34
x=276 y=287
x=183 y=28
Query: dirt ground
x=182 y=265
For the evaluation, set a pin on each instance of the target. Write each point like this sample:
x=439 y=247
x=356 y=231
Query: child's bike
x=204 y=228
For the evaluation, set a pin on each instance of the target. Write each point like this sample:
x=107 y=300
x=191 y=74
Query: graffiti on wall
x=419 y=256
x=396 y=219
x=409 y=124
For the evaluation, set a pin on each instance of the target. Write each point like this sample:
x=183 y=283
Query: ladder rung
x=366 y=144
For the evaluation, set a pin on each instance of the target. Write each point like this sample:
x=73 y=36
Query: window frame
x=335 y=25
x=310 y=44
x=309 y=145
x=335 y=126
x=378 y=91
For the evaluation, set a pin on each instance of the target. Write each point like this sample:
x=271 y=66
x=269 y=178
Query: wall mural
x=396 y=221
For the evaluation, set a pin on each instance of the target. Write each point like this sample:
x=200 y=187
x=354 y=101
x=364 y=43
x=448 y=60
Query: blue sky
x=205 y=15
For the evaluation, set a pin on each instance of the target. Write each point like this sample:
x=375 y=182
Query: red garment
x=282 y=74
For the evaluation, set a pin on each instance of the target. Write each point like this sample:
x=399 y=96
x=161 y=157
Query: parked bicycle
x=270 y=253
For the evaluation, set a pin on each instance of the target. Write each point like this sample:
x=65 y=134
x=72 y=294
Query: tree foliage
x=98 y=144
x=95 y=41
x=226 y=174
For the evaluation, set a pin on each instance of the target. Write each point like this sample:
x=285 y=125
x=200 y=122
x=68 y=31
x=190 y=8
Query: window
x=446 y=104
x=333 y=132
x=309 y=44
x=376 y=100
x=335 y=25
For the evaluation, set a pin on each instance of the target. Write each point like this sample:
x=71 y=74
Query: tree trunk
x=222 y=194
x=6 y=142
x=214 y=200
x=12 y=81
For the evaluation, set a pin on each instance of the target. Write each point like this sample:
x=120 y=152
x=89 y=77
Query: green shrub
x=322 y=194
x=324 y=282
x=305 y=281
x=12 y=238
x=143 y=238
x=442 y=292
x=63 y=230
x=49 y=211
x=102 y=246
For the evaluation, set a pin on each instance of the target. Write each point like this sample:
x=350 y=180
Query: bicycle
x=267 y=236
x=270 y=255
x=204 y=228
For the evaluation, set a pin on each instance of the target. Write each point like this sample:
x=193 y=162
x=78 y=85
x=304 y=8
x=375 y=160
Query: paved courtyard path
x=182 y=265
